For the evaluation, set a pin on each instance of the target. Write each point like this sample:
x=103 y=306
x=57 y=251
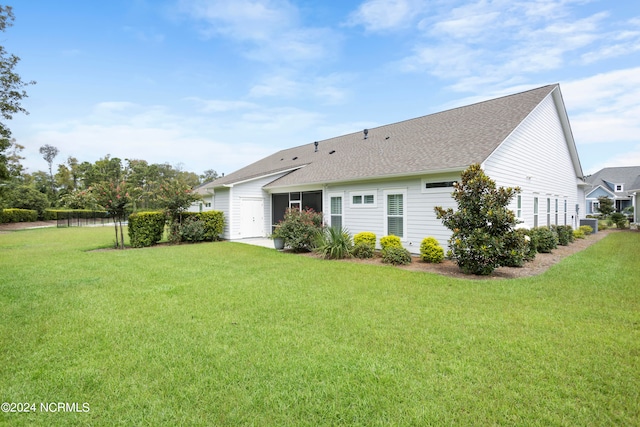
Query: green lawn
x=229 y=334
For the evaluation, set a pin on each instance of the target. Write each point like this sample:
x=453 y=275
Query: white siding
x=250 y=189
x=221 y=203
x=536 y=158
x=421 y=219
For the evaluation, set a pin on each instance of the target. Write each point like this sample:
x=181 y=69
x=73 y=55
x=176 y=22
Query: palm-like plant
x=334 y=243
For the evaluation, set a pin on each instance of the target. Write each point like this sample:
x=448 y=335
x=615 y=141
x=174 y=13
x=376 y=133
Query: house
x=621 y=184
x=206 y=203
x=388 y=179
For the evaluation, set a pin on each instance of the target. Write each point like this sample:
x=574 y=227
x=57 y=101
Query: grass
x=229 y=334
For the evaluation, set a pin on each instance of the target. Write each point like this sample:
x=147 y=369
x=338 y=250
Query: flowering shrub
x=390 y=241
x=299 y=229
x=431 y=251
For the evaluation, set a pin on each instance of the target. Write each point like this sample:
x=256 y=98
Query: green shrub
x=431 y=251
x=481 y=222
x=196 y=227
x=565 y=234
x=586 y=229
x=363 y=250
x=192 y=230
x=516 y=249
x=578 y=234
x=146 y=228
x=620 y=220
x=396 y=255
x=299 y=229
x=334 y=243
x=365 y=237
x=602 y=225
x=390 y=241
x=546 y=239
x=19 y=215
x=213 y=224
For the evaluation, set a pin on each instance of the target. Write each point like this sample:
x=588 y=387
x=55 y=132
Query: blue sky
x=215 y=84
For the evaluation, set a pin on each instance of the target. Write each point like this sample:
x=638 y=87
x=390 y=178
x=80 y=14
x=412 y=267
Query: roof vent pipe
x=316 y=145
x=366 y=132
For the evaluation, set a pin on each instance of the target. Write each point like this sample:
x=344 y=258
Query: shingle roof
x=629 y=176
x=449 y=140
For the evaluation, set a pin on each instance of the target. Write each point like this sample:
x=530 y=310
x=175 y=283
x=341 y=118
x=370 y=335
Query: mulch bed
x=539 y=265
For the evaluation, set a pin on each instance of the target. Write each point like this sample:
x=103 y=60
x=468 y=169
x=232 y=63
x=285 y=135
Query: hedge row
x=213 y=222
x=146 y=228
x=18 y=215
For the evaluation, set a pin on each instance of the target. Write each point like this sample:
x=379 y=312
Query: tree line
x=74 y=184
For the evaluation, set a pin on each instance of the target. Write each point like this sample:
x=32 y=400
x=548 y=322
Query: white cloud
x=220 y=135
x=503 y=42
x=330 y=89
x=605 y=108
x=384 y=15
x=269 y=30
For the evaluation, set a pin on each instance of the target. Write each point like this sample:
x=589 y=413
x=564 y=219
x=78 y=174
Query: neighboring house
x=206 y=204
x=388 y=180
x=619 y=184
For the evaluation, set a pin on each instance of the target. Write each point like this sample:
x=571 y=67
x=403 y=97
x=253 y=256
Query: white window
x=595 y=207
x=535 y=211
x=519 y=208
x=556 y=223
x=395 y=212
x=363 y=199
x=336 y=211
x=619 y=188
x=565 y=212
x=548 y=211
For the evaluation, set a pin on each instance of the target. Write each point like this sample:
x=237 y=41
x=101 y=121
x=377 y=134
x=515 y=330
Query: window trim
x=403 y=193
x=363 y=196
x=536 y=207
x=331 y=214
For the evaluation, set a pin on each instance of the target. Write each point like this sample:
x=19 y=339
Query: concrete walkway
x=257 y=241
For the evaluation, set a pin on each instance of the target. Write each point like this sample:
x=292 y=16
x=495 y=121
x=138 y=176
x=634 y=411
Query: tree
x=11 y=91
x=208 y=175
x=113 y=196
x=481 y=224
x=605 y=206
x=14 y=167
x=49 y=153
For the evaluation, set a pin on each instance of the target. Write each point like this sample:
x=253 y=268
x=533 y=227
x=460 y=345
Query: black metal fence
x=82 y=218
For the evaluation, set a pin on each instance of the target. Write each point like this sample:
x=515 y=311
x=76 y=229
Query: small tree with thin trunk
x=481 y=224
x=114 y=198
